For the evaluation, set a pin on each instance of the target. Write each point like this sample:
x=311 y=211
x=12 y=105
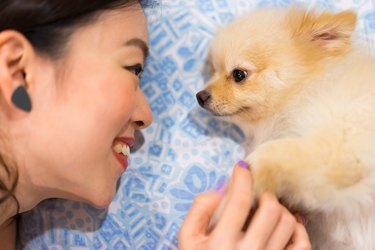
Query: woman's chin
x=102 y=201
x=99 y=199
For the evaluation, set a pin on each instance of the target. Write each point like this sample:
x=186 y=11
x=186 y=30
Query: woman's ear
x=14 y=52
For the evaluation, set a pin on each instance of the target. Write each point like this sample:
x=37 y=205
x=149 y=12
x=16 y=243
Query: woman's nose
x=142 y=116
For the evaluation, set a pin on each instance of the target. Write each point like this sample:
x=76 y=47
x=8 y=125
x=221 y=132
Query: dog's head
x=261 y=59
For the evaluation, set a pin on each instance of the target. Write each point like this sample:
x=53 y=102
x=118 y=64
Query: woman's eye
x=239 y=75
x=135 y=69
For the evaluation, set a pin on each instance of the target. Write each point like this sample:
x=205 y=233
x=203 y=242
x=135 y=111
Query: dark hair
x=7 y=191
x=47 y=24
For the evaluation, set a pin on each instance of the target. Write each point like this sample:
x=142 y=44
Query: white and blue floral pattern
x=186 y=150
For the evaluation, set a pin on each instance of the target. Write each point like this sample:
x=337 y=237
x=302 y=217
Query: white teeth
x=122 y=148
x=118 y=148
x=125 y=150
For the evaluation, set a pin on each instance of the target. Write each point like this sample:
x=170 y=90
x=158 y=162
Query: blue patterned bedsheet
x=186 y=151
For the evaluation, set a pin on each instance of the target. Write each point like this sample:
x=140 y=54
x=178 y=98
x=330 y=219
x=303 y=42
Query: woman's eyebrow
x=140 y=44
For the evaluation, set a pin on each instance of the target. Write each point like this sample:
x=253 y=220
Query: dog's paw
x=277 y=166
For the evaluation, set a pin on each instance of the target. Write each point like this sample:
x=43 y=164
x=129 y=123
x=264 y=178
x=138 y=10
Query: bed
x=186 y=151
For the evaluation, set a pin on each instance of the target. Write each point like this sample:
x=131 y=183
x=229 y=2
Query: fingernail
x=302 y=220
x=243 y=164
x=221 y=184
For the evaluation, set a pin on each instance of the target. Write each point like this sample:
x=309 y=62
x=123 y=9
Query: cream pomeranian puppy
x=306 y=97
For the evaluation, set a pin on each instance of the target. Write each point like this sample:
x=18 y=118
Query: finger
x=300 y=239
x=283 y=231
x=237 y=208
x=200 y=213
x=263 y=223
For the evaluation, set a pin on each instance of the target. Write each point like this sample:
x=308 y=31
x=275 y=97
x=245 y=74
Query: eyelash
x=136 y=69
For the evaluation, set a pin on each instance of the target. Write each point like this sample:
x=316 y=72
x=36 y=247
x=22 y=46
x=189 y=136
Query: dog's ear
x=331 y=32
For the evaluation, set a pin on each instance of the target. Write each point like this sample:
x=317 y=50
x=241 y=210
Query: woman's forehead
x=113 y=28
x=123 y=23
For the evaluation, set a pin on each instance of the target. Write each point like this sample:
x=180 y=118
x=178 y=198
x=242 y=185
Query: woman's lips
x=126 y=140
x=123 y=160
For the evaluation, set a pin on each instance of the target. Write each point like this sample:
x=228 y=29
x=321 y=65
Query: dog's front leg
x=305 y=173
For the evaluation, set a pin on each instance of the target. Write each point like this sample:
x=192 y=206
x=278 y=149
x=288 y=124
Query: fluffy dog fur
x=308 y=105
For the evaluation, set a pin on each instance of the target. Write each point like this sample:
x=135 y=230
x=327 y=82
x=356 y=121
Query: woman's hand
x=272 y=226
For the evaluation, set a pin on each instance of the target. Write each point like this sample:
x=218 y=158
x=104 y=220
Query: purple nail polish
x=243 y=164
x=221 y=184
x=304 y=220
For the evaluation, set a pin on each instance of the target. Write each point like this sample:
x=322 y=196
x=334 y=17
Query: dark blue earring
x=21 y=99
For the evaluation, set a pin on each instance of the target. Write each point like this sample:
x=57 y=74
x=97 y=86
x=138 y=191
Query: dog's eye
x=239 y=75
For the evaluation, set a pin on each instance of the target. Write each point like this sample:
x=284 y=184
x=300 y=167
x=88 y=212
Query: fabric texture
x=186 y=150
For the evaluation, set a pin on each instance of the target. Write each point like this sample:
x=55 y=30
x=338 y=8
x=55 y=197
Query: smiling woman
x=55 y=95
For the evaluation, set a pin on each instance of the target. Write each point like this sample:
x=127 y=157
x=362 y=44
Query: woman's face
x=86 y=108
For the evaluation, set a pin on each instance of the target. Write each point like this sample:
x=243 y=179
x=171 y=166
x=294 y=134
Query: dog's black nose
x=202 y=97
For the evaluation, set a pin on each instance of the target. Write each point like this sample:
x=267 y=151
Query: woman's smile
x=121 y=149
